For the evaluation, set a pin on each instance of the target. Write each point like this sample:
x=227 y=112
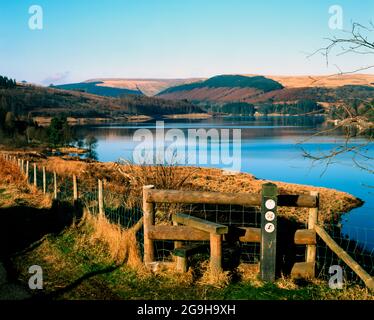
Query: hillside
x=96 y=88
x=152 y=87
x=324 y=81
x=222 y=88
x=149 y=87
x=40 y=101
x=257 y=89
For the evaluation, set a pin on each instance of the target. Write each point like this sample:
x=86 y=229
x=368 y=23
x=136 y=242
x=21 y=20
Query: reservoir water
x=271 y=149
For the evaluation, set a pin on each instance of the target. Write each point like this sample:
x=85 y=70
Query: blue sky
x=84 y=39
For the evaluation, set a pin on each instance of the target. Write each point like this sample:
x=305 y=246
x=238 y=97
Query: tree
x=91 y=144
x=354 y=117
x=59 y=131
x=9 y=123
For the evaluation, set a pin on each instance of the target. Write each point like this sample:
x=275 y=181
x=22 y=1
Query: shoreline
x=332 y=202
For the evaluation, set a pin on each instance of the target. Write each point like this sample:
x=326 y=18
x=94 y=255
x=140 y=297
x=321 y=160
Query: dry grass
x=127 y=180
x=122 y=244
x=16 y=190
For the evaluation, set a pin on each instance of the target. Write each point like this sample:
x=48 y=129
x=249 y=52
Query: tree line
x=6 y=82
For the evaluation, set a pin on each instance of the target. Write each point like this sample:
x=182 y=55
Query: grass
x=94 y=259
x=81 y=263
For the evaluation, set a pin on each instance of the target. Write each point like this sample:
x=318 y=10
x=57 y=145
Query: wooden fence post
x=19 y=163
x=22 y=166
x=35 y=177
x=181 y=262
x=101 y=198
x=27 y=170
x=75 y=188
x=44 y=181
x=215 y=253
x=55 y=185
x=312 y=221
x=148 y=221
x=268 y=232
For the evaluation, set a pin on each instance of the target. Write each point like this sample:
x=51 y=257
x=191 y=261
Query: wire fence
x=117 y=212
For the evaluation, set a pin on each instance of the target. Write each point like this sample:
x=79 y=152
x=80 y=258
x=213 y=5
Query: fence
x=208 y=221
x=92 y=194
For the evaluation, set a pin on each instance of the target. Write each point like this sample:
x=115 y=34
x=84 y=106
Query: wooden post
x=101 y=198
x=22 y=166
x=27 y=170
x=149 y=221
x=54 y=185
x=19 y=163
x=75 y=188
x=269 y=231
x=180 y=261
x=312 y=221
x=364 y=276
x=35 y=177
x=215 y=253
x=44 y=181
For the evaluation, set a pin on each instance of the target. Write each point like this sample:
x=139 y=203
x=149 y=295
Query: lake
x=270 y=149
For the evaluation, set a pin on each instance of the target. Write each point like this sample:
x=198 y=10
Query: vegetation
x=301 y=107
x=30 y=101
x=230 y=81
x=7 y=83
x=95 y=88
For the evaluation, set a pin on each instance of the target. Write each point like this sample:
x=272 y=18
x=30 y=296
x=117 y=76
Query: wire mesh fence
x=117 y=211
x=230 y=215
x=362 y=253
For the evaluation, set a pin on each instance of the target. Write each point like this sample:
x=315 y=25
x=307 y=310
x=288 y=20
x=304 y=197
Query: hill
x=149 y=87
x=152 y=87
x=223 y=88
x=96 y=88
x=40 y=101
x=258 y=89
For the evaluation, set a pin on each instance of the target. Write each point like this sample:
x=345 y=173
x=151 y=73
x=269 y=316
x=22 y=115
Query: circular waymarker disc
x=269 y=227
x=270 y=204
x=269 y=216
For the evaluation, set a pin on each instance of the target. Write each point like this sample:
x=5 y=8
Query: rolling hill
x=149 y=87
x=95 y=87
x=31 y=101
x=258 y=90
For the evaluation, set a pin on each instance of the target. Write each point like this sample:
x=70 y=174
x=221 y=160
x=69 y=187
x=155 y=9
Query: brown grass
x=121 y=243
x=16 y=189
x=127 y=181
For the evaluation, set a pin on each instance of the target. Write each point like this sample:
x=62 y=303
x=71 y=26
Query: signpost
x=268 y=231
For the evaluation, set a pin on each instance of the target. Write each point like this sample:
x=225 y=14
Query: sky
x=85 y=39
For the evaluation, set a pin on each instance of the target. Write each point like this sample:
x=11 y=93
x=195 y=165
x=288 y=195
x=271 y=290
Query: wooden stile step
x=189 y=250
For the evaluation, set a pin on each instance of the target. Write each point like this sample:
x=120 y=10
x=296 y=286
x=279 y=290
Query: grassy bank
x=87 y=257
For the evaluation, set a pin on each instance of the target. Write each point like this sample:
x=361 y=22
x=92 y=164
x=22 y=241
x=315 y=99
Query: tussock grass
x=121 y=243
